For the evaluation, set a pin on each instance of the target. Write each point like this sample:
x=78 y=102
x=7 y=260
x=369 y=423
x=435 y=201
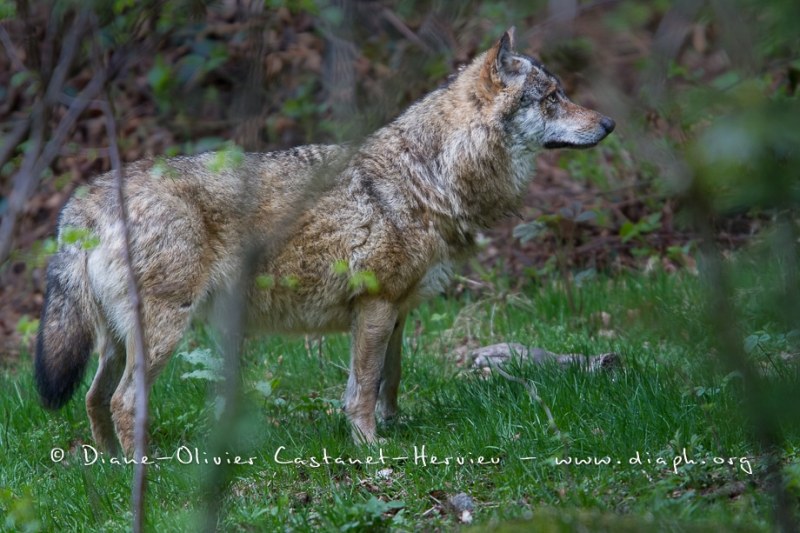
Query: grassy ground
x=665 y=399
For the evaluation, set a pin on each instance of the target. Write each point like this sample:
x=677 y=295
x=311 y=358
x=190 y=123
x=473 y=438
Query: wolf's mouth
x=561 y=144
x=607 y=126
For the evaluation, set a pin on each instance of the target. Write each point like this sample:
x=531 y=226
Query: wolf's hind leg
x=375 y=320
x=390 y=376
x=164 y=327
x=98 y=399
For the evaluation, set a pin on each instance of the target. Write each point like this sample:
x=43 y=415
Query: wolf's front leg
x=372 y=328
x=390 y=376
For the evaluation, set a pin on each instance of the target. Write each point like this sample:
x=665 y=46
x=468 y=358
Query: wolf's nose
x=608 y=124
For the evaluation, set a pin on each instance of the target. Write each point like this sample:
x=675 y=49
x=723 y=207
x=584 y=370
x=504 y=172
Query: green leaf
x=27 y=326
x=266 y=387
x=231 y=156
x=551 y=219
x=204 y=358
x=340 y=267
x=586 y=216
x=529 y=230
x=20 y=78
x=8 y=9
x=584 y=276
x=290 y=282
x=121 y=5
x=50 y=246
x=628 y=231
x=365 y=279
x=203 y=374
x=332 y=14
x=265 y=281
x=160 y=75
x=726 y=80
x=438 y=317
x=79 y=236
x=651 y=222
x=90 y=242
x=750 y=343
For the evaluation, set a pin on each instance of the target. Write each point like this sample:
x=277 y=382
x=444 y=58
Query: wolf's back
x=66 y=336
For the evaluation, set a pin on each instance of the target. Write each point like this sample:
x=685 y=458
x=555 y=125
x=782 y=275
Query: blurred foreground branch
x=764 y=420
x=140 y=365
x=229 y=322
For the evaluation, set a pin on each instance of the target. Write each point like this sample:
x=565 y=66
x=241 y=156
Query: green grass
x=667 y=397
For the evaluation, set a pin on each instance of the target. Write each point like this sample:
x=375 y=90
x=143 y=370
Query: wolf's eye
x=552 y=98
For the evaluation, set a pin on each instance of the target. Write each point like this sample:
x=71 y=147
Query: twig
x=22 y=182
x=558 y=16
x=140 y=365
x=140 y=341
x=339 y=79
x=667 y=41
x=11 y=139
x=563 y=14
x=400 y=26
x=561 y=261
x=248 y=109
x=68 y=100
x=68 y=49
x=25 y=180
x=5 y=40
x=533 y=392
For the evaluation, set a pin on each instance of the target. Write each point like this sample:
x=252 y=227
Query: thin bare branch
x=554 y=18
x=65 y=59
x=23 y=182
x=563 y=14
x=339 y=79
x=12 y=139
x=533 y=392
x=139 y=339
x=400 y=26
x=36 y=162
x=79 y=105
x=68 y=100
x=5 y=40
x=140 y=343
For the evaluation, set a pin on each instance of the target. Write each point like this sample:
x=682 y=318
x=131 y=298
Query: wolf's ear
x=506 y=42
x=501 y=66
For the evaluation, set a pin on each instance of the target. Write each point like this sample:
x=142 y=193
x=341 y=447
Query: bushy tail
x=65 y=338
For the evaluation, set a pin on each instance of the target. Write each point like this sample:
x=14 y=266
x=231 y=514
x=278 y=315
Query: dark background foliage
x=703 y=93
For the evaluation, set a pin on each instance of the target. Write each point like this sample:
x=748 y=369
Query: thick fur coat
x=352 y=239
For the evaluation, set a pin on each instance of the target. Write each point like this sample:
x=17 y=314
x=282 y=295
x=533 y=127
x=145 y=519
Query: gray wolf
x=380 y=233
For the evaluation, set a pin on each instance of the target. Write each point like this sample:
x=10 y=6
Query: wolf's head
x=531 y=102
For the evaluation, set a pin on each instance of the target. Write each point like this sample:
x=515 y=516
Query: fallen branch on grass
x=498 y=354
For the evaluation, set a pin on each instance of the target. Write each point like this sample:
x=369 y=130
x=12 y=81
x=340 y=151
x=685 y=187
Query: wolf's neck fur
x=455 y=157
